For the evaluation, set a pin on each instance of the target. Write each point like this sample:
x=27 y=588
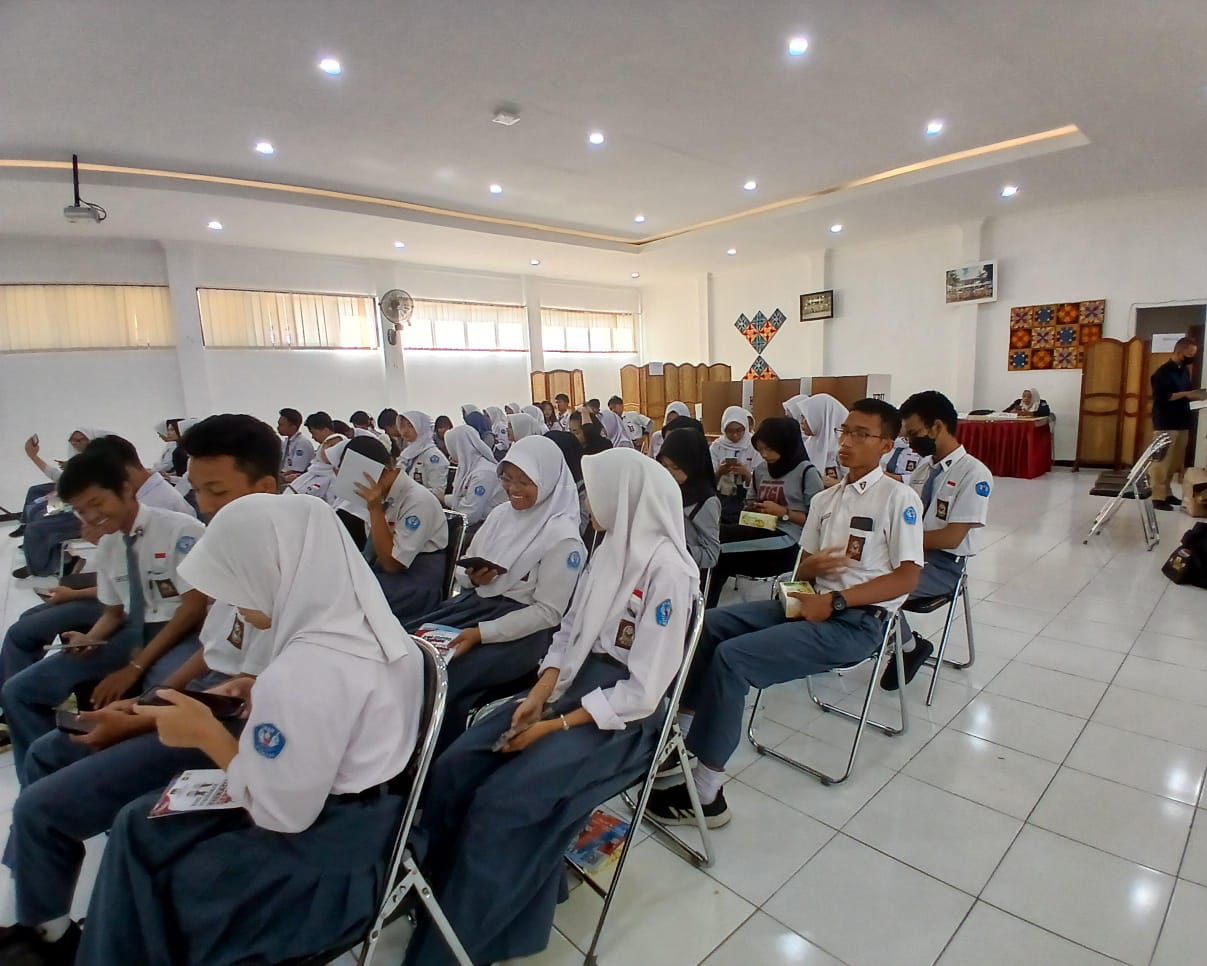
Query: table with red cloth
x=1009 y=447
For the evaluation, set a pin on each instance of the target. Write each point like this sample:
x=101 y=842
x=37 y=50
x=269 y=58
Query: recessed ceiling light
x=329 y=65
x=836 y=228
x=535 y=262
x=797 y=46
x=635 y=275
x=506 y=116
x=265 y=148
x=750 y=185
x=400 y=245
x=934 y=127
x=596 y=137
x=1010 y=191
x=214 y=226
x=732 y=251
x=496 y=189
x=639 y=218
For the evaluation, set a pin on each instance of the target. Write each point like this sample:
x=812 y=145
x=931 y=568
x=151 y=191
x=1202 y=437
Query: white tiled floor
x=1047 y=810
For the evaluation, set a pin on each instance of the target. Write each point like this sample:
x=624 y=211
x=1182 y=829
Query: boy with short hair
x=298 y=451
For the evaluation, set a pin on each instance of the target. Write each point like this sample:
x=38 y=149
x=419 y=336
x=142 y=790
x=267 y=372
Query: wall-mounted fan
x=396 y=308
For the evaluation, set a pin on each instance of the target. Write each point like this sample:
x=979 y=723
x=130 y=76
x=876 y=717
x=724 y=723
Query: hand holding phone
x=223 y=706
x=71 y=723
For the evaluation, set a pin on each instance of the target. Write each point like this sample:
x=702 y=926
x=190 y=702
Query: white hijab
x=466 y=447
x=425 y=437
x=743 y=449
x=513 y=408
x=795 y=407
x=92 y=432
x=527 y=424
x=467 y=408
x=614 y=429
x=1023 y=407
x=824 y=414
x=518 y=539
x=293 y=559
x=678 y=408
x=331 y=455
x=640 y=506
x=535 y=413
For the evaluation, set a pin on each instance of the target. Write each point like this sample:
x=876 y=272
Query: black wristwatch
x=838 y=603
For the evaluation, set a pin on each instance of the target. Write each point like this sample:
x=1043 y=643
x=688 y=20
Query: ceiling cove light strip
x=1031 y=144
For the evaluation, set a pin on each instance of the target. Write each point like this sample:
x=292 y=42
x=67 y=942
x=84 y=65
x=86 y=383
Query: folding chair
x=403 y=871
x=670 y=743
x=458 y=523
x=1136 y=487
x=927 y=605
x=892 y=630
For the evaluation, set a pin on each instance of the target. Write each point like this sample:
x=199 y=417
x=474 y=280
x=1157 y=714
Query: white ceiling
x=695 y=96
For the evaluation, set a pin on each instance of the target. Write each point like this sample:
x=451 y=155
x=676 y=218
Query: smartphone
x=77 y=646
x=477 y=563
x=224 y=706
x=71 y=723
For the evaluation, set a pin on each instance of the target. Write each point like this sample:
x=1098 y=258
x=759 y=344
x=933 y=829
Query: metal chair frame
x=940 y=658
x=458 y=524
x=892 y=633
x=1136 y=483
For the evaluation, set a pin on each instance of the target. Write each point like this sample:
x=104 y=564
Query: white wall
x=674 y=320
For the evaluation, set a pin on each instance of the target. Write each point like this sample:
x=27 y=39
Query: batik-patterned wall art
x=759 y=332
x=1054 y=336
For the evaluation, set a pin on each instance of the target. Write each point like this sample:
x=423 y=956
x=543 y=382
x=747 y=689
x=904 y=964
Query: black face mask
x=922 y=445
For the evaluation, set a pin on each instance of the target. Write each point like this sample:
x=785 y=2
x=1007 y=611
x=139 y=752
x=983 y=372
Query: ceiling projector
x=82 y=210
x=81 y=213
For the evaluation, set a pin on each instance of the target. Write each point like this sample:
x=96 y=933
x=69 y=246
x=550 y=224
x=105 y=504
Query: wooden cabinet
x=651 y=393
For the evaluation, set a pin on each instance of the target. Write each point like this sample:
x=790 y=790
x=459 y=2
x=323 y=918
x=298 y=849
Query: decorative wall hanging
x=972 y=284
x=759 y=332
x=1053 y=336
x=817 y=305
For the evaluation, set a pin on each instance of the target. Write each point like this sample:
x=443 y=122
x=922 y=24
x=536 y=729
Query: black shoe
x=24 y=946
x=673 y=806
x=913 y=661
x=21 y=573
x=670 y=767
x=1166 y=504
x=19 y=532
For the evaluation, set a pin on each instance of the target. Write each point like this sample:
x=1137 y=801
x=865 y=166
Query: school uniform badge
x=434 y=459
x=479 y=490
x=575 y=560
x=411 y=522
x=982 y=488
x=910 y=516
x=941 y=509
x=185 y=544
x=663 y=613
x=268 y=740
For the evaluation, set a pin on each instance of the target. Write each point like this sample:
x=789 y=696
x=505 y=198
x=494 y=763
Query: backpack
x=1188 y=564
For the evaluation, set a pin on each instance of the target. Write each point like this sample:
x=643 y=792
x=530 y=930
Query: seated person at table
x=333 y=718
x=733 y=460
x=150 y=618
x=476 y=490
x=407 y=535
x=954 y=487
x=685 y=454
x=499 y=823
x=1029 y=404
x=121 y=758
x=297 y=452
x=862 y=548
x=507 y=619
x=785 y=484
x=422 y=460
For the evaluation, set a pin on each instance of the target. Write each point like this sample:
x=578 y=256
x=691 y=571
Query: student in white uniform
x=512 y=408
x=476 y=487
x=674 y=411
x=362 y=425
x=151 y=615
x=562 y=418
x=298 y=451
x=902 y=461
x=387 y=422
x=499 y=822
x=954 y=488
x=821 y=417
x=507 y=619
x=317 y=479
x=614 y=429
x=407 y=534
x=421 y=458
x=538 y=419
x=685 y=455
x=498 y=428
x=734 y=459
x=862 y=548
x=333 y=720
x=524 y=424
x=167 y=433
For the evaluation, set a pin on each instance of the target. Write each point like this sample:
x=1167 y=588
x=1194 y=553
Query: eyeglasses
x=858 y=435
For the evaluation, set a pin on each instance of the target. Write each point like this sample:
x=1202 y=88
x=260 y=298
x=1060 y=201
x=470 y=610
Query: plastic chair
x=458 y=523
x=407 y=881
x=927 y=605
x=892 y=629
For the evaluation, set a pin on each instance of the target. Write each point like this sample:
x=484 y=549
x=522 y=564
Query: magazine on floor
x=597 y=847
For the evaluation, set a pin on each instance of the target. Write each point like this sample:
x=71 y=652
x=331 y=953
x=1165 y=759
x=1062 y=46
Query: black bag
x=1188 y=564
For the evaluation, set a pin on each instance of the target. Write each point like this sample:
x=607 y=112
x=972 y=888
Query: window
x=40 y=317
x=482 y=326
x=286 y=320
x=573 y=330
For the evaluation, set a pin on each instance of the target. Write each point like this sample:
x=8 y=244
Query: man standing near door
x=1172 y=394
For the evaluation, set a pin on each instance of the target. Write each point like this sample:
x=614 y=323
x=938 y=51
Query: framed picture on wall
x=971 y=284
x=817 y=305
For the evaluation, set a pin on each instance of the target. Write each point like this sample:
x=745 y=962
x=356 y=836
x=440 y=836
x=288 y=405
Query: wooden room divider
x=1112 y=428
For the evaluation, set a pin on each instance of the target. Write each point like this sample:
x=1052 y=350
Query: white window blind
x=480 y=326
x=43 y=317
x=575 y=330
x=286 y=320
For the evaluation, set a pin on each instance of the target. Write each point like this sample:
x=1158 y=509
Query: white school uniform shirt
x=314 y=482
x=877 y=520
x=416 y=519
x=323 y=723
x=164 y=463
x=901 y=459
x=430 y=470
x=562 y=420
x=227 y=639
x=164 y=538
x=296 y=454
x=157 y=491
x=647 y=637
x=961 y=495
x=480 y=493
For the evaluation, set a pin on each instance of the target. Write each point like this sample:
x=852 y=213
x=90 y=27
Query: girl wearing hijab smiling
x=332 y=719
x=421 y=458
x=499 y=822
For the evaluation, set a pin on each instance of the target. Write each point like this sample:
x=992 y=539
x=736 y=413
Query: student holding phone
x=734 y=459
x=508 y=615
